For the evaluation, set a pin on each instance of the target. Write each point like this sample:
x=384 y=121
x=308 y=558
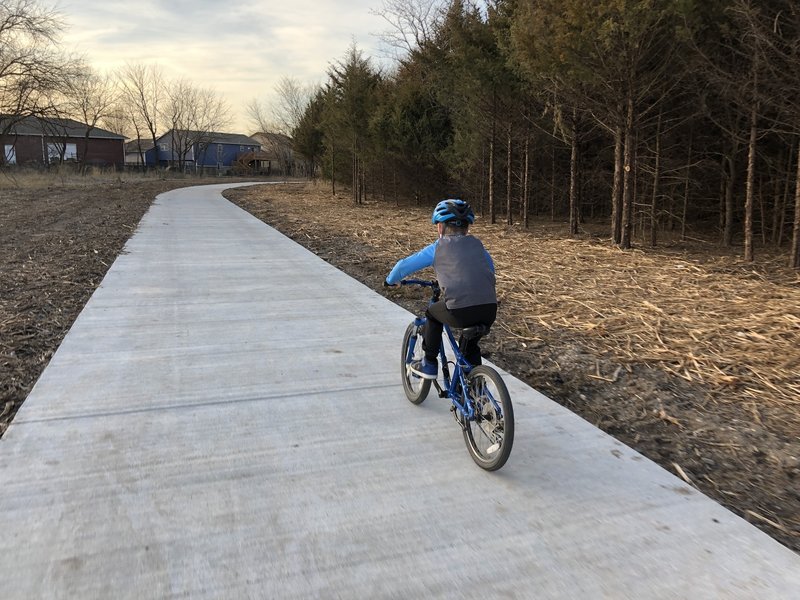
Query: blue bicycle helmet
x=453 y=211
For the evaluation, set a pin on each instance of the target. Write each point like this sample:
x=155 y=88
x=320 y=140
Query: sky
x=239 y=48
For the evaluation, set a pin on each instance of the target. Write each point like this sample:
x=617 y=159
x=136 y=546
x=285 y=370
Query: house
x=48 y=141
x=277 y=153
x=136 y=152
x=200 y=150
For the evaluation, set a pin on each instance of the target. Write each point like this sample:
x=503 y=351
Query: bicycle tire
x=416 y=388
x=490 y=436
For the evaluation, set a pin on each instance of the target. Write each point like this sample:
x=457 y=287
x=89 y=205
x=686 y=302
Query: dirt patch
x=690 y=358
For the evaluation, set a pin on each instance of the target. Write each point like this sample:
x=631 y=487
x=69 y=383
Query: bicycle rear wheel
x=416 y=388
x=490 y=435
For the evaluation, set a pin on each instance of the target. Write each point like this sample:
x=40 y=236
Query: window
x=163 y=147
x=54 y=152
x=10 y=155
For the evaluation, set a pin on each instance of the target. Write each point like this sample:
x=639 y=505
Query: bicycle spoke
x=416 y=388
x=490 y=435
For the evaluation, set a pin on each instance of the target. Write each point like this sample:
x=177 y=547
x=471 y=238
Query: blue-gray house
x=200 y=150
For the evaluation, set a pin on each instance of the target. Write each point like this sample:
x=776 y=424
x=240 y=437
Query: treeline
x=661 y=117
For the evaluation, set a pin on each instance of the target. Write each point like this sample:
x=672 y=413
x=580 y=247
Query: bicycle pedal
x=493 y=448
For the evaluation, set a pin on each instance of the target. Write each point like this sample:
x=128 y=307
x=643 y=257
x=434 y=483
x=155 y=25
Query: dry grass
x=69 y=176
x=711 y=322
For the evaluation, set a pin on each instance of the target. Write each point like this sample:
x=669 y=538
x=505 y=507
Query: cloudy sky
x=240 y=48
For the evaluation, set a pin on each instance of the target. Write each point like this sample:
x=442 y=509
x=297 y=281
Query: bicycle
x=480 y=400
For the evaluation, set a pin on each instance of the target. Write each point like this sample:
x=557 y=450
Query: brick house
x=42 y=142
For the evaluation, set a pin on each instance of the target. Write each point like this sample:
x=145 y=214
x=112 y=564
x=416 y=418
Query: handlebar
x=422 y=282
x=433 y=284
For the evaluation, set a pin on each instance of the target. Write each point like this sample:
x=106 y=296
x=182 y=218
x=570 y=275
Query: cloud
x=240 y=48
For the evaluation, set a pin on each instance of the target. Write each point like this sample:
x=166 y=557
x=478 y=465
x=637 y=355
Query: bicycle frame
x=461 y=400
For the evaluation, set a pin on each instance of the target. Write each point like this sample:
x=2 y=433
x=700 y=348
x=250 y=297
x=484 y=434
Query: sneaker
x=423 y=368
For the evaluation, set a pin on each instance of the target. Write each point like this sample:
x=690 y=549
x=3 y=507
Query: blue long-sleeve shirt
x=412 y=264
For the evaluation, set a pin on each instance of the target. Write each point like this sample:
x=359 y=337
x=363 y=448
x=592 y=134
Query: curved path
x=225 y=419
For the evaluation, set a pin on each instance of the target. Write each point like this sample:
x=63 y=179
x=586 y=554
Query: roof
x=215 y=137
x=275 y=138
x=54 y=127
x=133 y=145
x=232 y=138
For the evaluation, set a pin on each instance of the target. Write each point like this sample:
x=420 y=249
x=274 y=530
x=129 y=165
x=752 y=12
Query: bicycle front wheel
x=490 y=435
x=416 y=388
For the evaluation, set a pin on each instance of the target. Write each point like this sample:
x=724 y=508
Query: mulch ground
x=692 y=359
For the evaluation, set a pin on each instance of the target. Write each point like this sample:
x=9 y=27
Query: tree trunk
x=686 y=189
x=723 y=185
x=627 y=180
x=616 y=191
x=727 y=235
x=491 y=176
x=156 y=155
x=525 y=190
x=781 y=200
x=573 y=178
x=84 y=164
x=656 y=177
x=794 y=251
x=777 y=208
x=509 y=174
x=354 y=173
x=333 y=169
x=363 y=184
x=748 y=201
x=482 y=188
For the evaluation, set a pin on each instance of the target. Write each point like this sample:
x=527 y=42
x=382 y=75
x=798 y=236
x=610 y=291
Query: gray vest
x=463 y=271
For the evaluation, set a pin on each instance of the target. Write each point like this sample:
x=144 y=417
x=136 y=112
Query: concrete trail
x=225 y=419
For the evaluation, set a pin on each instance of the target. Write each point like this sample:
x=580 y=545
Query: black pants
x=438 y=313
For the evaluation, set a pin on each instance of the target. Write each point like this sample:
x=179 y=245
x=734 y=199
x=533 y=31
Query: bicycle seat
x=475 y=331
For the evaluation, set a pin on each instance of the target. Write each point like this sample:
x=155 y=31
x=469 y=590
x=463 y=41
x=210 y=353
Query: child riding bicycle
x=465 y=272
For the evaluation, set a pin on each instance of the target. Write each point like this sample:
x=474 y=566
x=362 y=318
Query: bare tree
x=284 y=113
x=118 y=120
x=32 y=66
x=281 y=118
x=90 y=97
x=292 y=99
x=260 y=117
x=143 y=92
x=412 y=23
x=193 y=115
